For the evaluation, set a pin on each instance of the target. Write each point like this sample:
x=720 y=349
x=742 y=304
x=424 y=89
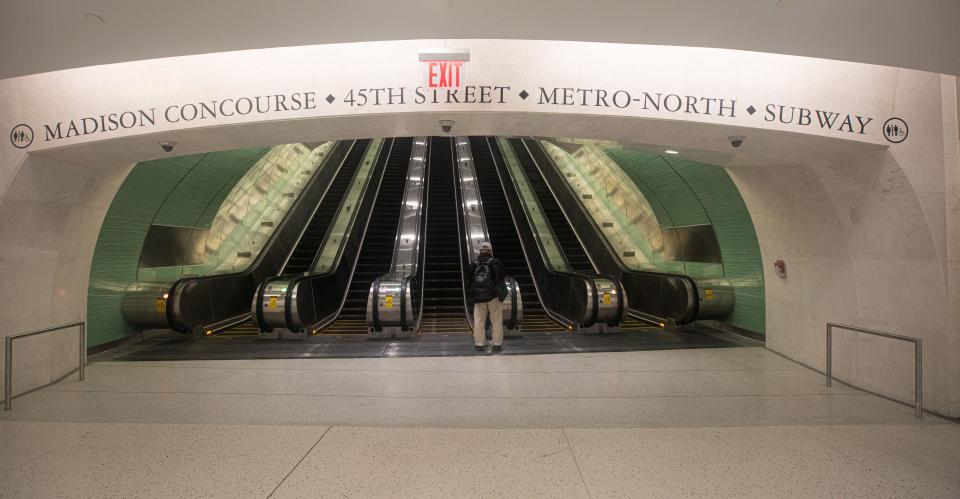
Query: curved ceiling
x=46 y=35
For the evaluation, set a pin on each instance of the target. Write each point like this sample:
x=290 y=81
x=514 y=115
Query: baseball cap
x=486 y=246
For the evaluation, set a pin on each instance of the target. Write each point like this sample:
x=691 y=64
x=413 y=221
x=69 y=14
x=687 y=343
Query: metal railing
x=8 y=357
x=918 y=362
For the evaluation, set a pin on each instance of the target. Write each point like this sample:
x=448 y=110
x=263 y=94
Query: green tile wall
x=673 y=202
x=689 y=192
x=197 y=197
x=184 y=191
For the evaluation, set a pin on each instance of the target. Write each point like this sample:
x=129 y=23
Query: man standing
x=487 y=290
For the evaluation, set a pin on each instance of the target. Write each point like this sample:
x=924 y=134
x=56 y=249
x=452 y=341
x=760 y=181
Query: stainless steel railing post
x=918 y=361
x=918 y=349
x=8 y=358
x=7 y=373
x=829 y=355
x=83 y=350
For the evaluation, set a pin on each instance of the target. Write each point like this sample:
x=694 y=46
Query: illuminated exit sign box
x=443 y=68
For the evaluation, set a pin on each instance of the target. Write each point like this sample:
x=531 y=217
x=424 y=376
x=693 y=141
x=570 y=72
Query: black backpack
x=483 y=275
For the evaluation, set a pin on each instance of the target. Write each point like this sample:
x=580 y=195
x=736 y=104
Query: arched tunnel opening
x=604 y=246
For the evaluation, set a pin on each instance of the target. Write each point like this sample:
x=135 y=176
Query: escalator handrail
x=507 y=187
x=459 y=193
x=514 y=303
x=375 y=311
x=582 y=221
x=418 y=274
x=414 y=279
x=340 y=150
x=464 y=237
x=368 y=201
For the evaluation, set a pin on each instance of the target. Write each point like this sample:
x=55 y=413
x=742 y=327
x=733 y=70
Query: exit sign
x=443 y=68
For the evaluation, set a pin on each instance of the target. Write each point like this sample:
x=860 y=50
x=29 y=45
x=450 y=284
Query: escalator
x=443 y=311
x=655 y=297
x=566 y=238
x=378 y=242
x=504 y=237
x=205 y=304
x=569 y=243
x=309 y=244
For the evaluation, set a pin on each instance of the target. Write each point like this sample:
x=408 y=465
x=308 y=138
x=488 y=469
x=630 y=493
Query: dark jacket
x=484 y=294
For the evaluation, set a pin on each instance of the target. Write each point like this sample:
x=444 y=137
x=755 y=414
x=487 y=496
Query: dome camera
x=736 y=140
x=167 y=146
x=446 y=125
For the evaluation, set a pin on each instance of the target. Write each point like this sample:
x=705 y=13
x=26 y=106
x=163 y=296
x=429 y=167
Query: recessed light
x=671 y=151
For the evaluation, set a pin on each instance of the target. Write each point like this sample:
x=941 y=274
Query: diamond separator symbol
x=524 y=94
x=330 y=98
x=751 y=109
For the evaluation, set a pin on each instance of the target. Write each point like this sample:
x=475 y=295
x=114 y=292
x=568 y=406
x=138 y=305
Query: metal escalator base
x=439 y=324
x=354 y=346
x=631 y=325
x=245 y=328
x=345 y=326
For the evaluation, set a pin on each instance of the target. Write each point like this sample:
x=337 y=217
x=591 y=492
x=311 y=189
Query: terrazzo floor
x=717 y=422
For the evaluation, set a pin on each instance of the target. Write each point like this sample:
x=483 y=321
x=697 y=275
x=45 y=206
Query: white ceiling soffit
x=45 y=35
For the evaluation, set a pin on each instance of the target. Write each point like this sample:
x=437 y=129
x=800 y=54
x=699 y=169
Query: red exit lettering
x=443 y=74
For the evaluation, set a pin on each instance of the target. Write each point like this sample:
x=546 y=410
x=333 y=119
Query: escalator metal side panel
x=144 y=304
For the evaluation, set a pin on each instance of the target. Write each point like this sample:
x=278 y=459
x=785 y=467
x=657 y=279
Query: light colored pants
x=480 y=310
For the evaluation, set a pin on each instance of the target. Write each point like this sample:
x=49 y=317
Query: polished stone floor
x=243 y=347
x=716 y=422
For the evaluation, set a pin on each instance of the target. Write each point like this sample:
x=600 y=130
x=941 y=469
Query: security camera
x=446 y=125
x=167 y=145
x=736 y=140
